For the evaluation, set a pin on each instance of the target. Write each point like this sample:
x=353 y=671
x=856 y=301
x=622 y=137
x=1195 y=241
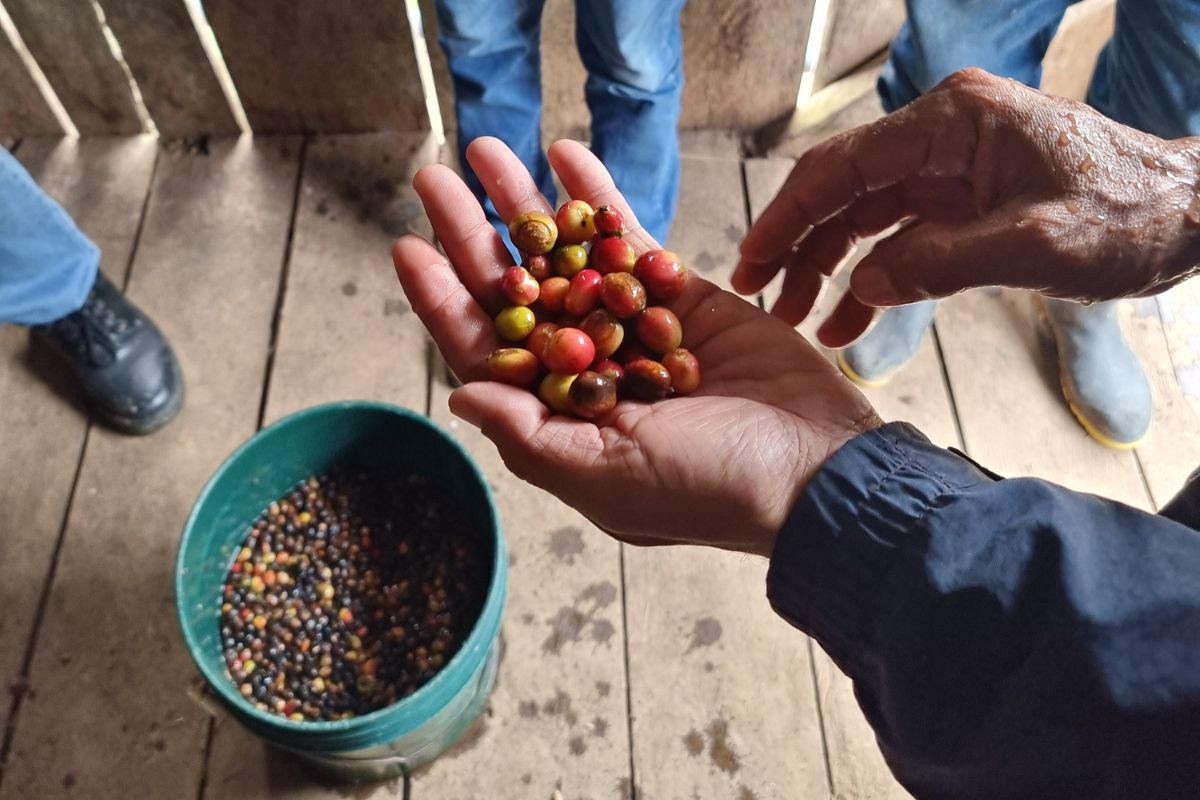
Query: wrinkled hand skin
x=995 y=184
x=722 y=467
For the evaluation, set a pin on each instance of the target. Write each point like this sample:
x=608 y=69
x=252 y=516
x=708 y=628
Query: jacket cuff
x=865 y=508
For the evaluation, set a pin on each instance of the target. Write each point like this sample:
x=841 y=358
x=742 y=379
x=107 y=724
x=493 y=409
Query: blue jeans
x=1147 y=77
x=633 y=52
x=47 y=266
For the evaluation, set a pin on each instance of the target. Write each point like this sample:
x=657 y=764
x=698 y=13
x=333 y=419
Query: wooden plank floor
x=626 y=673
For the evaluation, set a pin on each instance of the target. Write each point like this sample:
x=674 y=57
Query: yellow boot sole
x=854 y=377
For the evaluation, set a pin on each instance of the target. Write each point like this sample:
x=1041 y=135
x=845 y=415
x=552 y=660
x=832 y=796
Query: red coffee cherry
x=513 y=365
x=584 y=294
x=608 y=221
x=662 y=273
x=623 y=295
x=575 y=222
x=659 y=329
x=569 y=352
x=612 y=255
x=519 y=286
x=605 y=331
x=684 y=370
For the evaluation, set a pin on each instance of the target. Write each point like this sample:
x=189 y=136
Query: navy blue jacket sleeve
x=1006 y=638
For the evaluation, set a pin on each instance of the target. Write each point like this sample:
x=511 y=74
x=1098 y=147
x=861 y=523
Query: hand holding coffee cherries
x=998 y=185
x=721 y=466
x=572 y=324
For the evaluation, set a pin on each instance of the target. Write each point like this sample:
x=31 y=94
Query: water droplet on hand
x=1192 y=214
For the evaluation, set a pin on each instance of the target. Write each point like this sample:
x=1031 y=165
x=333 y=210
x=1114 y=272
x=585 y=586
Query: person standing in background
x=633 y=53
x=50 y=280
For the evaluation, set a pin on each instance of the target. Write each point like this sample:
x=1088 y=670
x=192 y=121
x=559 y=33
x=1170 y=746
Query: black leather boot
x=123 y=364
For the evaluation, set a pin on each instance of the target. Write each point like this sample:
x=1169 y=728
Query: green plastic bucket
x=408 y=733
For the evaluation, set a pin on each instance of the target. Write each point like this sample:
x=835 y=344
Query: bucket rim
x=406 y=714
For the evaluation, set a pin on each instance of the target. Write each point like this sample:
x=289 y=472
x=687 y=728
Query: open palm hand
x=720 y=467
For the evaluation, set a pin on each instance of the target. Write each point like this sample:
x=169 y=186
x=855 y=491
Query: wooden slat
x=564 y=112
x=858 y=30
x=345 y=316
x=311 y=65
x=558 y=716
x=102 y=184
x=1004 y=375
x=345 y=333
x=720 y=686
x=1169 y=349
x=441 y=70
x=1068 y=65
x=917 y=395
x=729 y=47
x=109 y=675
x=23 y=110
x=160 y=44
x=67 y=40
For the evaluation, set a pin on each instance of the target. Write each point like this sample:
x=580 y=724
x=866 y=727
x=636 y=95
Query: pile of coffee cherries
x=583 y=318
x=349 y=593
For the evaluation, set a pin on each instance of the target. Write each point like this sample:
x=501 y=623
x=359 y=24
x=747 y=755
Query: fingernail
x=873 y=286
x=462 y=408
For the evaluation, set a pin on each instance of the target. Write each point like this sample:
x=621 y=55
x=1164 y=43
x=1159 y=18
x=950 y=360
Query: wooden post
x=312 y=65
x=23 y=110
x=162 y=47
x=67 y=40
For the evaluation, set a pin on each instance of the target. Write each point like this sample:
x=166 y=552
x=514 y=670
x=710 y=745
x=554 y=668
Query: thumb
x=926 y=261
x=542 y=449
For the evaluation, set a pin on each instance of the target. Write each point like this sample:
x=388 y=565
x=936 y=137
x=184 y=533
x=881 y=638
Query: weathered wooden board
x=858 y=30
x=846 y=104
x=1068 y=65
x=67 y=40
x=720 y=686
x=109 y=708
x=558 y=717
x=441 y=69
x=23 y=110
x=1169 y=348
x=344 y=316
x=917 y=395
x=162 y=47
x=1003 y=371
x=102 y=183
x=345 y=332
x=310 y=65
x=742 y=61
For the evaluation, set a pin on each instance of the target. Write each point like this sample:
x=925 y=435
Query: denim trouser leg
x=1148 y=76
x=47 y=266
x=940 y=37
x=492 y=47
x=633 y=52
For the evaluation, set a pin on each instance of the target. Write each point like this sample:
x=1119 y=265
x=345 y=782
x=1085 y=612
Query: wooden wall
x=128 y=66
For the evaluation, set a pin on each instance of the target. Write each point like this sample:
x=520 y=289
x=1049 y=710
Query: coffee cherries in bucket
x=584 y=322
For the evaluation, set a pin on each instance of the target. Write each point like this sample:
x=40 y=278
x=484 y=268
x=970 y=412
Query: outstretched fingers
x=460 y=327
x=586 y=178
